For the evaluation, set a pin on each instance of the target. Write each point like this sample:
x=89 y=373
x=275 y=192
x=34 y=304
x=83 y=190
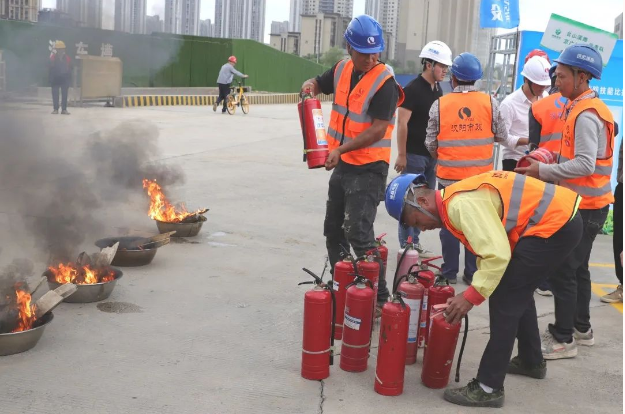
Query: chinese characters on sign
x=81 y=49
x=51 y=44
x=562 y=33
x=607 y=91
x=107 y=50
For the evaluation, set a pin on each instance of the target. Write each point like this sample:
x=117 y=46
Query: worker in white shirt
x=516 y=106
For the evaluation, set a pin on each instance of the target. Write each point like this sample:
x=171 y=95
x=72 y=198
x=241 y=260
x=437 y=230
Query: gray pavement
x=213 y=325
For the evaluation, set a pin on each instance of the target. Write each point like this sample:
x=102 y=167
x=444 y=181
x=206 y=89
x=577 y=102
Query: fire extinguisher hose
x=302 y=112
x=464 y=341
x=331 y=289
x=401 y=259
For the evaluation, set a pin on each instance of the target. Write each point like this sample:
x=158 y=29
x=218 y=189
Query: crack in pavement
x=322 y=397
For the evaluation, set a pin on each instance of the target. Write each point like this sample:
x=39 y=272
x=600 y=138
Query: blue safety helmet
x=396 y=192
x=584 y=57
x=552 y=70
x=365 y=35
x=466 y=67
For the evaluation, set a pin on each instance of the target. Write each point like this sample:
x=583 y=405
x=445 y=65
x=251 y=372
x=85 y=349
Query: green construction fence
x=157 y=60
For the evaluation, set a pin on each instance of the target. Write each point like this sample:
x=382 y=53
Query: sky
x=534 y=13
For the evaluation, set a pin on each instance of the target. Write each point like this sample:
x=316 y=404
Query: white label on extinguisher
x=320 y=128
x=351 y=322
x=335 y=285
x=413 y=324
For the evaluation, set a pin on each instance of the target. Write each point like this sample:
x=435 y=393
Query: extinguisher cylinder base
x=353 y=365
x=315 y=375
x=391 y=391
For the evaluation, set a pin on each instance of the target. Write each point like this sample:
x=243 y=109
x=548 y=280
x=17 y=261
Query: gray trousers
x=351 y=208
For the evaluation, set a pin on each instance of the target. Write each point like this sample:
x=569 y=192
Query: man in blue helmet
x=585 y=166
x=461 y=132
x=520 y=228
x=366 y=97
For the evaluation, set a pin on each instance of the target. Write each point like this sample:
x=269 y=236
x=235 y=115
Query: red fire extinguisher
x=343 y=276
x=370 y=270
x=389 y=371
x=358 y=321
x=438 y=294
x=380 y=247
x=426 y=277
x=318 y=337
x=442 y=342
x=313 y=131
x=413 y=293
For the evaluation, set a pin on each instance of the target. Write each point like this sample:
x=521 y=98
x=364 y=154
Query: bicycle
x=235 y=99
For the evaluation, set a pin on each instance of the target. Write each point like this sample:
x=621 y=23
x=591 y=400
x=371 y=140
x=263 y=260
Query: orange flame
x=26 y=311
x=160 y=207
x=70 y=273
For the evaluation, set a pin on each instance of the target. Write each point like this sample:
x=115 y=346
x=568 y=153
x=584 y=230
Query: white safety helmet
x=536 y=70
x=437 y=51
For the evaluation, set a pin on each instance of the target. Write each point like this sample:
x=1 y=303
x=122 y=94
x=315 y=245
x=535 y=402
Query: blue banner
x=499 y=13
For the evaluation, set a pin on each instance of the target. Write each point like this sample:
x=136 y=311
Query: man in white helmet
x=413 y=157
x=516 y=106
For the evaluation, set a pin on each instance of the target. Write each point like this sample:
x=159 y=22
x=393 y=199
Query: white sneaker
x=584 y=338
x=553 y=349
x=423 y=252
x=544 y=292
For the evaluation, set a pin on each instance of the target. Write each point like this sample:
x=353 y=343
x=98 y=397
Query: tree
x=397 y=66
x=411 y=66
x=332 y=56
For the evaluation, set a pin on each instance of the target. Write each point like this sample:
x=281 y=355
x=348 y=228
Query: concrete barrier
x=176 y=100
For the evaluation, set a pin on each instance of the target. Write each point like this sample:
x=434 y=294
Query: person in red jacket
x=60 y=75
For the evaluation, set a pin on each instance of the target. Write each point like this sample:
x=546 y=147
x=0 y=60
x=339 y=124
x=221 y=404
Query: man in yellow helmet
x=60 y=75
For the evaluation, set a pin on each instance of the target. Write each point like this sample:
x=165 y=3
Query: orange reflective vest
x=595 y=189
x=548 y=113
x=466 y=137
x=349 y=116
x=530 y=207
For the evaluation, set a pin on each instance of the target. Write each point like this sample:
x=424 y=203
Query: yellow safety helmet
x=59 y=44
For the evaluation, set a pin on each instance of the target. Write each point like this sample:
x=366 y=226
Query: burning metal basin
x=87 y=293
x=16 y=342
x=182 y=229
x=127 y=256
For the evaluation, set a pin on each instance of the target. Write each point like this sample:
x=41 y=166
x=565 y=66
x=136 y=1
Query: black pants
x=224 y=91
x=511 y=306
x=351 y=208
x=64 y=87
x=570 y=283
x=617 y=242
x=508 y=165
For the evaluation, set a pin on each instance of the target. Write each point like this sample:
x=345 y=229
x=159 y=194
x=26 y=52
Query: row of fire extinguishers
x=344 y=309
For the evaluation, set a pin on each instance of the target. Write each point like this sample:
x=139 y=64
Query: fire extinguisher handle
x=400 y=297
x=398 y=282
x=317 y=281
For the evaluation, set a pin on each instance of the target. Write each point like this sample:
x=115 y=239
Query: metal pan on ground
x=181 y=229
x=17 y=342
x=127 y=254
x=87 y=293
